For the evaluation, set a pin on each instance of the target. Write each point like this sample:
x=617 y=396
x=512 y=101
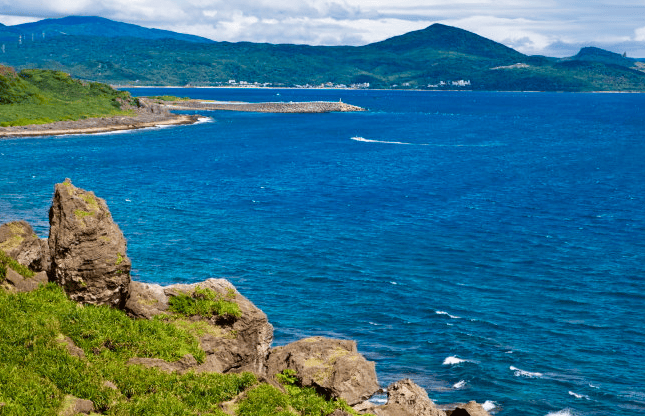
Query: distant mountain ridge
x=97 y=26
x=437 y=57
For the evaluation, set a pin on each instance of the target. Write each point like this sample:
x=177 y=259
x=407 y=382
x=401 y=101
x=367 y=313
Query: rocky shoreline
x=86 y=254
x=153 y=113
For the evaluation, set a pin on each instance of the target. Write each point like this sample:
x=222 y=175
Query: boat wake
x=364 y=140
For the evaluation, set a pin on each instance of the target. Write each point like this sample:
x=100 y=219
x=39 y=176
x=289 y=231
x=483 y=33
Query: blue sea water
x=489 y=246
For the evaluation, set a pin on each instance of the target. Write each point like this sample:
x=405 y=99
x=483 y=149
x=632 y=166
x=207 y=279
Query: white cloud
x=534 y=27
x=17 y=20
x=639 y=34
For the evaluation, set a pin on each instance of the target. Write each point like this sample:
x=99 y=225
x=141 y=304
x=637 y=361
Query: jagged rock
x=73 y=406
x=15 y=283
x=19 y=241
x=471 y=408
x=88 y=249
x=405 y=398
x=231 y=344
x=332 y=366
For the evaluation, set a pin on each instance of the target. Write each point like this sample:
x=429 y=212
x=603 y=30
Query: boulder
x=471 y=408
x=73 y=406
x=21 y=243
x=231 y=344
x=16 y=283
x=87 y=248
x=405 y=398
x=332 y=366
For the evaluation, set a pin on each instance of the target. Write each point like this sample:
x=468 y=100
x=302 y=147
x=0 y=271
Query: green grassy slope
x=37 y=371
x=37 y=96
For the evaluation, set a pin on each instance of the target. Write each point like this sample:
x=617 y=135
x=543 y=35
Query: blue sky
x=547 y=27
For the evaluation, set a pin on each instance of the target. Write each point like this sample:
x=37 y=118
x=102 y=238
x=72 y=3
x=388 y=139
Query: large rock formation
x=404 y=398
x=332 y=366
x=19 y=241
x=231 y=344
x=471 y=408
x=14 y=282
x=88 y=249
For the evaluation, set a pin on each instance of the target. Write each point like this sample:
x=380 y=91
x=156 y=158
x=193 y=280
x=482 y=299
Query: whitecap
x=460 y=384
x=564 y=412
x=522 y=373
x=446 y=313
x=579 y=396
x=393 y=283
x=489 y=405
x=453 y=360
x=201 y=120
x=378 y=399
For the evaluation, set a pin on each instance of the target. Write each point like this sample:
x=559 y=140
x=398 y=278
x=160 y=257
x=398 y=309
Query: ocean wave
x=564 y=412
x=202 y=120
x=579 y=396
x=489 y=405
x=446 y=313
x=458 y=385
x=453 y=360
x=523 y=373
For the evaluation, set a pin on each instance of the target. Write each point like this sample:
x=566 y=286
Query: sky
x=535 y=27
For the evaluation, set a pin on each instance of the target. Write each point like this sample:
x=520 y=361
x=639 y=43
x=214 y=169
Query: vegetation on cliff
x=36 y=96
x=54 y=348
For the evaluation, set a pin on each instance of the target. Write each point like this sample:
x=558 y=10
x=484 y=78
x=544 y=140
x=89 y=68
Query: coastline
x=99 y=125
x=156 y=113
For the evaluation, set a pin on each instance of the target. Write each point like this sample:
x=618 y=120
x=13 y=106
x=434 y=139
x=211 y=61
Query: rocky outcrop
x=332 y=366
x=14 y=282
x=231 y=344
x=20 y=242
x=88 y=249
x=405 y=398
x=471 y=408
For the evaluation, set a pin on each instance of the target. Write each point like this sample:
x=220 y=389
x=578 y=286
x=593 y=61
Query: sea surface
x=490 y=246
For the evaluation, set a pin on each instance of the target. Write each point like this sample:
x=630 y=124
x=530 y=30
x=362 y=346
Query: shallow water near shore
x=489 y=246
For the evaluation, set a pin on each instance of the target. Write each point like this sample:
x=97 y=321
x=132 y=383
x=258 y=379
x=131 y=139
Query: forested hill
x=438 y=57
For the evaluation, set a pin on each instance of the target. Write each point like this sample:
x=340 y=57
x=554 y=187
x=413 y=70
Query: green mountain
x=438 y=57
x=96 y=26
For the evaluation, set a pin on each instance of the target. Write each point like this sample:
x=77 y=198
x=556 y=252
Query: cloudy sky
x=548 y=27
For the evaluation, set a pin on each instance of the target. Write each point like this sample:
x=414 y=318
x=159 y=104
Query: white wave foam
x=446 y=313
x=564 y=412
x=579 y=396
x=522 y=373
x=205 y=120
x=489 y=405
x=453 y=360
x=393 y=283
x=378 y=399
x=460 y=384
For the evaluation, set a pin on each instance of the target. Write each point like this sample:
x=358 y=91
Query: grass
x=204 y=302
x=37 y=372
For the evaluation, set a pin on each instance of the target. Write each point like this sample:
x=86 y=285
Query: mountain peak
x=448 y=38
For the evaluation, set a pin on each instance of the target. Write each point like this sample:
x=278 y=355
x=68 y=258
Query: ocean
x=490 y=246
